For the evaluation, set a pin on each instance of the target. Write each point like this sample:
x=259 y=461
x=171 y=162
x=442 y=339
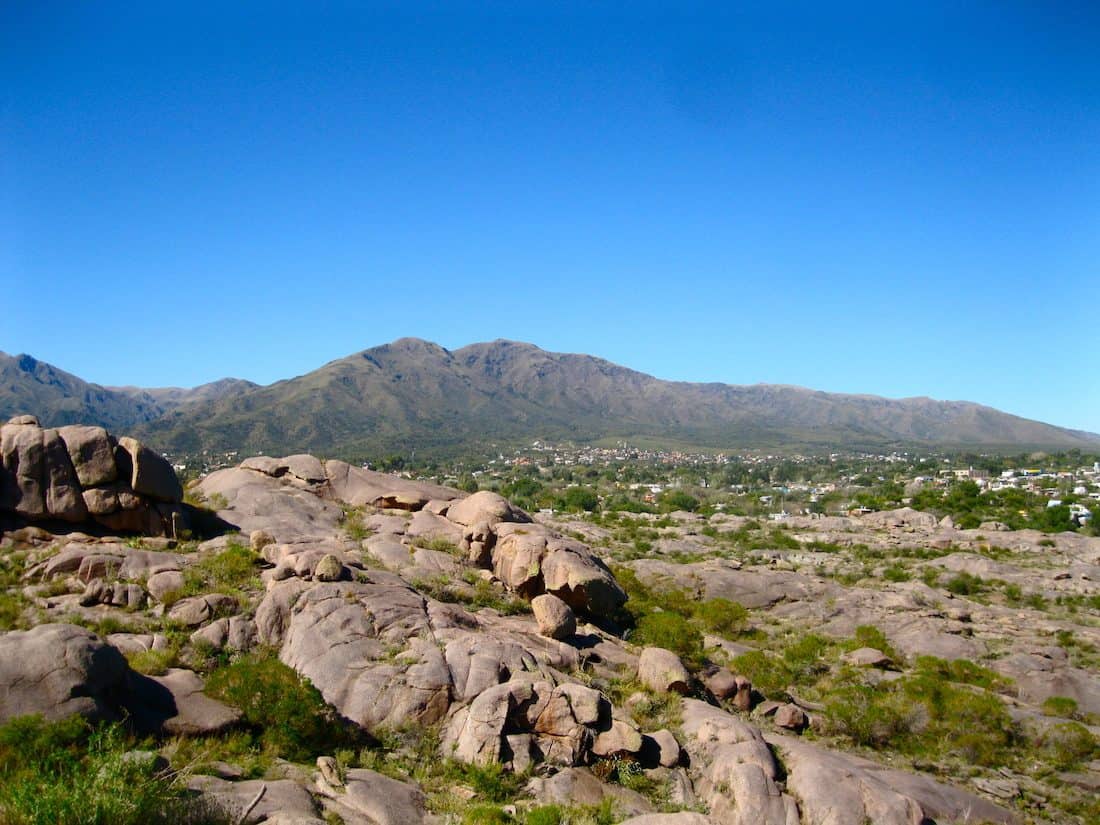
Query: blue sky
x=899 y=202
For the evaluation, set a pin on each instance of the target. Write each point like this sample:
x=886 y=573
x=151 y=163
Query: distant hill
x=170 y=398
x=58 y=397
x=414 y=394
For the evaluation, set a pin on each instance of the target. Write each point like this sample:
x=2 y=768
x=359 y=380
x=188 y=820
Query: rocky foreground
x=449 y=630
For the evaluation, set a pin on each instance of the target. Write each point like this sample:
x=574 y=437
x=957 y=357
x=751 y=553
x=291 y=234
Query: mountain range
x=414 y=394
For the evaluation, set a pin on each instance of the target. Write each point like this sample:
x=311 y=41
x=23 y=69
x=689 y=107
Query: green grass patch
x=71 y=773
x=286 y=713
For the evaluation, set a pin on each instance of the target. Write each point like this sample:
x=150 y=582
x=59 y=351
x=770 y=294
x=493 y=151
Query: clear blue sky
x=900 y=202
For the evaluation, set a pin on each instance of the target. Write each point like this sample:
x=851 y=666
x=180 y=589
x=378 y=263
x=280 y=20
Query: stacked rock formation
x=84 y=475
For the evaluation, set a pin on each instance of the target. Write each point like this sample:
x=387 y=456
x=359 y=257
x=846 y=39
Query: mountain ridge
x=416 y=394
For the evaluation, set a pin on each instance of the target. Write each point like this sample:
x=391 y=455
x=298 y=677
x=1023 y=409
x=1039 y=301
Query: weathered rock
x=484 y=507
x=235 y=633
x=839 y=787
x=475 y=732
x=662 y=670
x=791 y=717
x=196 y=610
x=555 y=618
x=368 y=646
x=681 y=818
x=22 y=456
x=577 y=786
x=621 y=738
x=530 y=560
x=161 y=584
x=425 y=525
x=358 y=486
x=721 y=683
x=738 y=772
x=257 y=501
x=378 y=798
x=101 y=501
x=283 y=800
x=92 y=454
x=150 y=473
x=573 y=573
x=195 y=713
x=668 y=749
x=63 y=495
x=259 y=539
x=329 y=569
x=58 y=670
x=868 y=657
x=562 y=719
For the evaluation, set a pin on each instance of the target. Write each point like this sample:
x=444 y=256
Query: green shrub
x=579 y=499
x=965 y=584
x=896 y=573
x=486 y=815
x=353 y=523
x=868 y=717
x=678 y=500
x=544 y=815
x=12 y=606
x=963 y=671
x=926 y=717
x=286 y=712
x=672 y=632
x=69 y=773
x=1067 y=745
x=230 y=571
x=867 y=635
x=721 y=616
x=767 y=673
x=1060 y=706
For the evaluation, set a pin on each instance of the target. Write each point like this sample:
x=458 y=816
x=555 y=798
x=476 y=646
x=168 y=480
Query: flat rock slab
x=358 y=486
x=283 y=798
x=256 y=501
x=380 y=799
x=839 y=787
x=195 y=712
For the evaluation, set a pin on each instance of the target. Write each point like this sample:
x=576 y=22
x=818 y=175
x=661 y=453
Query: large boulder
x=92 y=452
x=367 y=646
x=80 y=475
x=738 y=773
x=58 y=670
x=22 y=455
x=379 y=799
x=554 y=617
x=485 y=507
x=150 y=473
x=358 y=486
x=531 y=559
x=662 y=670
x=557 y=723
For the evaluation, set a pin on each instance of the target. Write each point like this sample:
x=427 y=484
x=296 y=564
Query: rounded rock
x=555 y=618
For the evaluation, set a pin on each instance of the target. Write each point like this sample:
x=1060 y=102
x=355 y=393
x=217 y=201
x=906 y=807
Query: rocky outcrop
x=382 y=654
x=521 y=721
x=293 y=501
x=83 y=475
